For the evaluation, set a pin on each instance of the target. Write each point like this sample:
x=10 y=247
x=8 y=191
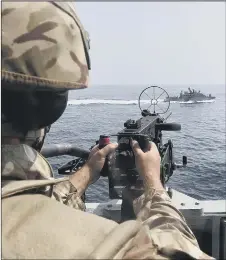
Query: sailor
x=181 y=93
x=44 y=55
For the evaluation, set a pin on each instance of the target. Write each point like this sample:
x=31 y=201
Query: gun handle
x=143 y=142
x=103 y=141
x=104 y=171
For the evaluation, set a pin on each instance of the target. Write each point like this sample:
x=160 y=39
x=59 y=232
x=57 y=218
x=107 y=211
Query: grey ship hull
x=189 y=98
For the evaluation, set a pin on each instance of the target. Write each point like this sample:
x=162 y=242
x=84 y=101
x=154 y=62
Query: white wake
x=77 y=102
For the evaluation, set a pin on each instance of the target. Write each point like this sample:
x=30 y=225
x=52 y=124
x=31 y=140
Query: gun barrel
x=64 y=149
x=168 y=126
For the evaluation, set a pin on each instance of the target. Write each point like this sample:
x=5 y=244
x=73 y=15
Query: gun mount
x=206 y=218
x=121 y=170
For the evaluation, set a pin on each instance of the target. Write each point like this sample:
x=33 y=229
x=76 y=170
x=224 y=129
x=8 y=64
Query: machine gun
x=121 y=169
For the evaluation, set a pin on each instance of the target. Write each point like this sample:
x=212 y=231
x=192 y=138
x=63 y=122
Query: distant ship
x=190 y=95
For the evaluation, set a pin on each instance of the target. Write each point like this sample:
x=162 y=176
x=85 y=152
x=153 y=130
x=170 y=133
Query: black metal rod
x=53 y=150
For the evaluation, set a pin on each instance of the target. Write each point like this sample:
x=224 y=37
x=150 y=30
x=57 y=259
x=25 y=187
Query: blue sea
x=104 y=109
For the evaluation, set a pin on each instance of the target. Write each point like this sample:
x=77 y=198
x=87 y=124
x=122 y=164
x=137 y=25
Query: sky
x=156 y=43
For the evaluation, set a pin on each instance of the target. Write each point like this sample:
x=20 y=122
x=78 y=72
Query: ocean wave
x=194 y=102
x=77 y=102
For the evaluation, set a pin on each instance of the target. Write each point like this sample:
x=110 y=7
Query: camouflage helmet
x=44 y=49
x=44 y=46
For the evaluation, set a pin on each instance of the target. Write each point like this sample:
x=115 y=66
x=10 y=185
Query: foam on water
x=77 y=102
x=107 y=101
x=194 y=102
x=101 y=101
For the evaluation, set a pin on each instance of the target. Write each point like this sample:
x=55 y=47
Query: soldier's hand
x=148 y=164
x=97 y=158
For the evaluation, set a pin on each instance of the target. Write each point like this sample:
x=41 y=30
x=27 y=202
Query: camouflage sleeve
x=157 y=205
x=66 y=193
x=165 y=230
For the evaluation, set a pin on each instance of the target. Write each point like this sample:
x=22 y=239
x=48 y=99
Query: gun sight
x=120 y=166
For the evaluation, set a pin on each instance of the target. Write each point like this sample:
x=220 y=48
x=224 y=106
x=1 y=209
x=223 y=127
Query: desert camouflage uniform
x=21 y=162
x=52 y=33
x=45 y=46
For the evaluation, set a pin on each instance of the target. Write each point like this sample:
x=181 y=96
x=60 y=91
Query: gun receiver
x=121 y=170
x=148 y=128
